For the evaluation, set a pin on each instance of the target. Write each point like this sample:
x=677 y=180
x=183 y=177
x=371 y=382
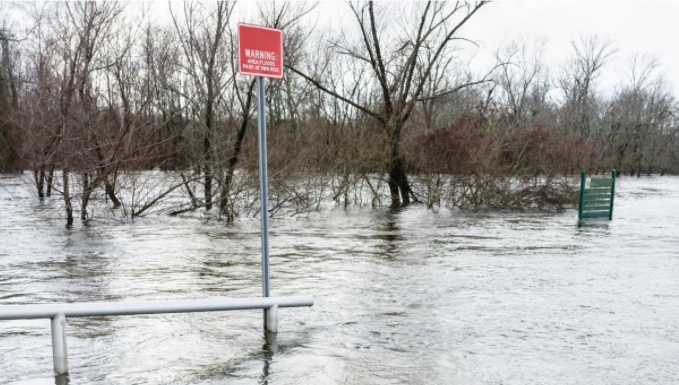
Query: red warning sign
x=260 y=51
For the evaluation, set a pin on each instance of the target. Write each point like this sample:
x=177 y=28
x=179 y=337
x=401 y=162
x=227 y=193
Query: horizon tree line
x=383 y=109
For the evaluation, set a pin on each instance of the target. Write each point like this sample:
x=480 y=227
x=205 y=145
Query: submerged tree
x=578 y=83
x=401 y=66
x=91 y=94
x=9 y=157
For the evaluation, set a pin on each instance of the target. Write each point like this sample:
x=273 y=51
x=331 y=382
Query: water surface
x=402 y=297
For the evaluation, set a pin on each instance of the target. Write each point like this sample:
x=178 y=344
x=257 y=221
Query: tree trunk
x=39 y=175
x=87 y=191
x=398 y=179
x=233 y=161
x=103 y=169
x=67 y=199
x=50 y=179
x=207 y=148
x=393 y=189
x=110 y=191
x=208 y=176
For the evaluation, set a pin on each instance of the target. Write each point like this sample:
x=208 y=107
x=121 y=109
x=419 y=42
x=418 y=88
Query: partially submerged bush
x=476 y=162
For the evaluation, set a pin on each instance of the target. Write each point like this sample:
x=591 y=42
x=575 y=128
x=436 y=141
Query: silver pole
x=272 y=319
x=59 y=351
x=263 y=189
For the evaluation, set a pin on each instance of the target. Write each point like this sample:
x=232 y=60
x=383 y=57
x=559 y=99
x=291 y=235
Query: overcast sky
x=635 y=26
x=650 y=27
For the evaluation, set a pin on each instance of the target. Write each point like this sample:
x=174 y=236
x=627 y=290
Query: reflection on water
x=61 y=379
x=405 y=296
x=391 y=231
x=269 y=349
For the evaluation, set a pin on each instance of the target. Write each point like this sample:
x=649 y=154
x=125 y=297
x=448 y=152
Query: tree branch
x=334 y=94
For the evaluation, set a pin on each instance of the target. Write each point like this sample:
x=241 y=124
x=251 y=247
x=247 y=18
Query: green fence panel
x=596 y=196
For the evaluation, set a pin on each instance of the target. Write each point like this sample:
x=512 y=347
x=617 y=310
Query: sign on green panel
x=598 y=190
x=596 y=182
x=596 y=197
x=597 y=208
x=607 y=203
x=595 y=214
x=593 y=197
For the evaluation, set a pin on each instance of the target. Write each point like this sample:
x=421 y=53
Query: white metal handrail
x=92 y=309
x=58 y=313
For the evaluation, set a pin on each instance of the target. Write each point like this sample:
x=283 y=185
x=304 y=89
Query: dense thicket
x=381 y=111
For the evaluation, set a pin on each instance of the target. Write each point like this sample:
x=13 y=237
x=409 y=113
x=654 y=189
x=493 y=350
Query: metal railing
x=58 y=313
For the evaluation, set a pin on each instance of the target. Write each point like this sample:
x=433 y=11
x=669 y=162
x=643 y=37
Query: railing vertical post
x=263 y=189
x=272 y=319
x=59 y=351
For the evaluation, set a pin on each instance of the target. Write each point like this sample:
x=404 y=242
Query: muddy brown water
x=402 y=297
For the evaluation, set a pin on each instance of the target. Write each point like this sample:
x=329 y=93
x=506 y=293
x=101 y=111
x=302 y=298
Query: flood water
x=402 y=297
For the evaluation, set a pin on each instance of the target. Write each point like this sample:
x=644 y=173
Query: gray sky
x=650 y=27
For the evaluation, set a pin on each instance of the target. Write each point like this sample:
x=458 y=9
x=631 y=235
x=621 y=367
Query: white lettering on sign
x=257 y=54
x=260 y=51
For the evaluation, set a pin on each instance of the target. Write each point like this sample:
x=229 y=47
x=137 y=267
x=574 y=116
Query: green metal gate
x=596 y=197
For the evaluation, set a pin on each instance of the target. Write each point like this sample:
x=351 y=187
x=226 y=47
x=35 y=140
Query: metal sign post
x=260 y=53
x=263 y=189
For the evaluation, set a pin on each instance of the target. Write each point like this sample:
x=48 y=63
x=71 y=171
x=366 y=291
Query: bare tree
x=8 y=95
x=523 y=79
x=202 y=33
x=93 y=24
x=642 y=116
x=578 y=79
x=109 y=109
x=401 y=66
